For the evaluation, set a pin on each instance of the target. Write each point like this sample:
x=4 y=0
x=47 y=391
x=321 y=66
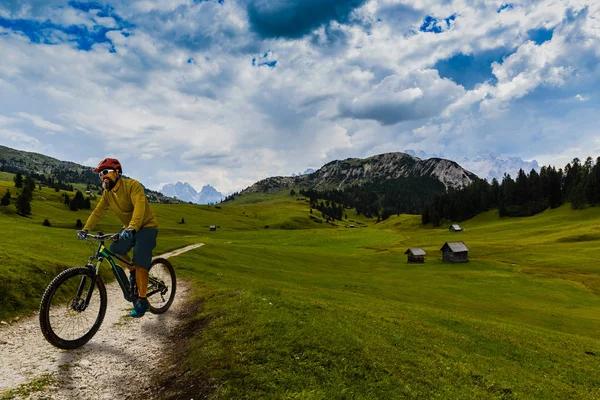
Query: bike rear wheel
x=67 y=320
x=162 y=286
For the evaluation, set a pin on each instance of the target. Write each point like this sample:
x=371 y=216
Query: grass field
x=307 y=310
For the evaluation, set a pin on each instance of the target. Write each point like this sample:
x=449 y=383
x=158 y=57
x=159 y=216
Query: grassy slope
x=337 y=312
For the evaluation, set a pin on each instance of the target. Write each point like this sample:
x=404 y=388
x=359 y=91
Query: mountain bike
x=74 y=303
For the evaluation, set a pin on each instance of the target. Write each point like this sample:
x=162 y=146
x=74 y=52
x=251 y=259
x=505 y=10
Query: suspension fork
x=90 y=291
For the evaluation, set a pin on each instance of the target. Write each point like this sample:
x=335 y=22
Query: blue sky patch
x=264 y=61
x=48 y=32
x=270 y=64
x=294 y=19
x=508 y=6
x=432 y=24
x=104 y=11
x=540 y=35
x=469 y=70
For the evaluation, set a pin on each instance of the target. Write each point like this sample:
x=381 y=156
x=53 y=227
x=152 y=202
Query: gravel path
x=110 y=366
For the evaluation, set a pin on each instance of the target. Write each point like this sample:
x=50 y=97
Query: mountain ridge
x=338 y=174
x=489 y=166
x=48 y=169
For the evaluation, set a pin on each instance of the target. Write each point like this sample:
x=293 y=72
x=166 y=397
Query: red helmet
x=109 y=163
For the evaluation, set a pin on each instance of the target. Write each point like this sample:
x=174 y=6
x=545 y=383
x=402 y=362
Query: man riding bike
x=127 y=199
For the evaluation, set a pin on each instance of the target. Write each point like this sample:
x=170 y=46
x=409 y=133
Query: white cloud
x=180 y=90
x=20 y=140
x=41 y=122
x=416 y=95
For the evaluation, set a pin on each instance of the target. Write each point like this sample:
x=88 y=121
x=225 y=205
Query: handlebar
x=101 y=236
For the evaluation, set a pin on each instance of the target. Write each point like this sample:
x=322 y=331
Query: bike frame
x=102 y=253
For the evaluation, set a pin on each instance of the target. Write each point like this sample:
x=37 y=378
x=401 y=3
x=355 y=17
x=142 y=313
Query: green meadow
x=290 y=307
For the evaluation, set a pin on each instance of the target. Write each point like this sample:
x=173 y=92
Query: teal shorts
x=143 y=243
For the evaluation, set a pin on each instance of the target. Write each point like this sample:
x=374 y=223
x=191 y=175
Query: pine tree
x=18 y=180
x=28 y=191
x=6 y=198
x=67 y=199
x=73 y=205
x=79 y=200
x=24 y=205
x=78 y=224
x=29 y=183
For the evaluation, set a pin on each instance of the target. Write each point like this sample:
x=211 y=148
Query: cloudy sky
x=228 y=92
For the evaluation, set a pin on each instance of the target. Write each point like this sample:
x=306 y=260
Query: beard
x=108 y=185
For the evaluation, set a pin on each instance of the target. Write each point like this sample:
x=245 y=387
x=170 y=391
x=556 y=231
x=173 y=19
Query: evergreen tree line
x=55 y=174
x=47 y=181
x=231 y=197
x=27 y=185
x=380 y=198
x=56 y=178
x=528 y=194
x=77 y=202
x=330 y=210
x=23 y=203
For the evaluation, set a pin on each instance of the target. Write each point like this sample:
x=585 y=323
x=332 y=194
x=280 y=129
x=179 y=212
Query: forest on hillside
x=528 y=194
x=378 y=198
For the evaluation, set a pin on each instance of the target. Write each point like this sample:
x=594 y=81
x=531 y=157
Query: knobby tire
x=46 y=308
x=172 y=286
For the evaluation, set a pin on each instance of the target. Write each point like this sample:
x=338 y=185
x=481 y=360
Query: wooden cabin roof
x=415 y=251
x=455 y=247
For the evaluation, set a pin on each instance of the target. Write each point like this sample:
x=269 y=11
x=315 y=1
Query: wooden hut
x=455 y=228
x=415 y=255
x=213 y=227
x=455 y=252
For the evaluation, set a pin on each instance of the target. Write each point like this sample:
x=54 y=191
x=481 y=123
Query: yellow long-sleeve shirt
x=128 y=200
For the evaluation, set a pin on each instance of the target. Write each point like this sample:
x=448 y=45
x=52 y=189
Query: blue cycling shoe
x=141 y=306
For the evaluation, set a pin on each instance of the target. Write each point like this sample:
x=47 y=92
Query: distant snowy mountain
x=489 y=166
x=422 y=155
x=496 y=165
x=306 y=172
x=185 y=192
x=209 y=195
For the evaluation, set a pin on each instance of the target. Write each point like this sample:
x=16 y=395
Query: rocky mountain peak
x=351 y=171
x=186 y=192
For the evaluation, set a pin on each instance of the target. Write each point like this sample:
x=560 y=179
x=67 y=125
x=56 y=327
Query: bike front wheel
x=162 y=285
x=71 y=310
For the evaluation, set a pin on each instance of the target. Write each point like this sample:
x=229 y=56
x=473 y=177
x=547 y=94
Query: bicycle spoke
x=161 y=288
x=67 y=322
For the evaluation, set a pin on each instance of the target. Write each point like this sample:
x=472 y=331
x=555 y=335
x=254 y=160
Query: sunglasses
x=105 y=172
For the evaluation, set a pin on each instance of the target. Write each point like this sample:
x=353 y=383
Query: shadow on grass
x=175 y=381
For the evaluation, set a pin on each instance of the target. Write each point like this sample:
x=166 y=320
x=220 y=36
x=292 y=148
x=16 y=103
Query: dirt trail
x=119 y=359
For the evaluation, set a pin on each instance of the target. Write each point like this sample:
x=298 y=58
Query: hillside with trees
x=60 y=175
x=528 y=194
x=377 y=198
